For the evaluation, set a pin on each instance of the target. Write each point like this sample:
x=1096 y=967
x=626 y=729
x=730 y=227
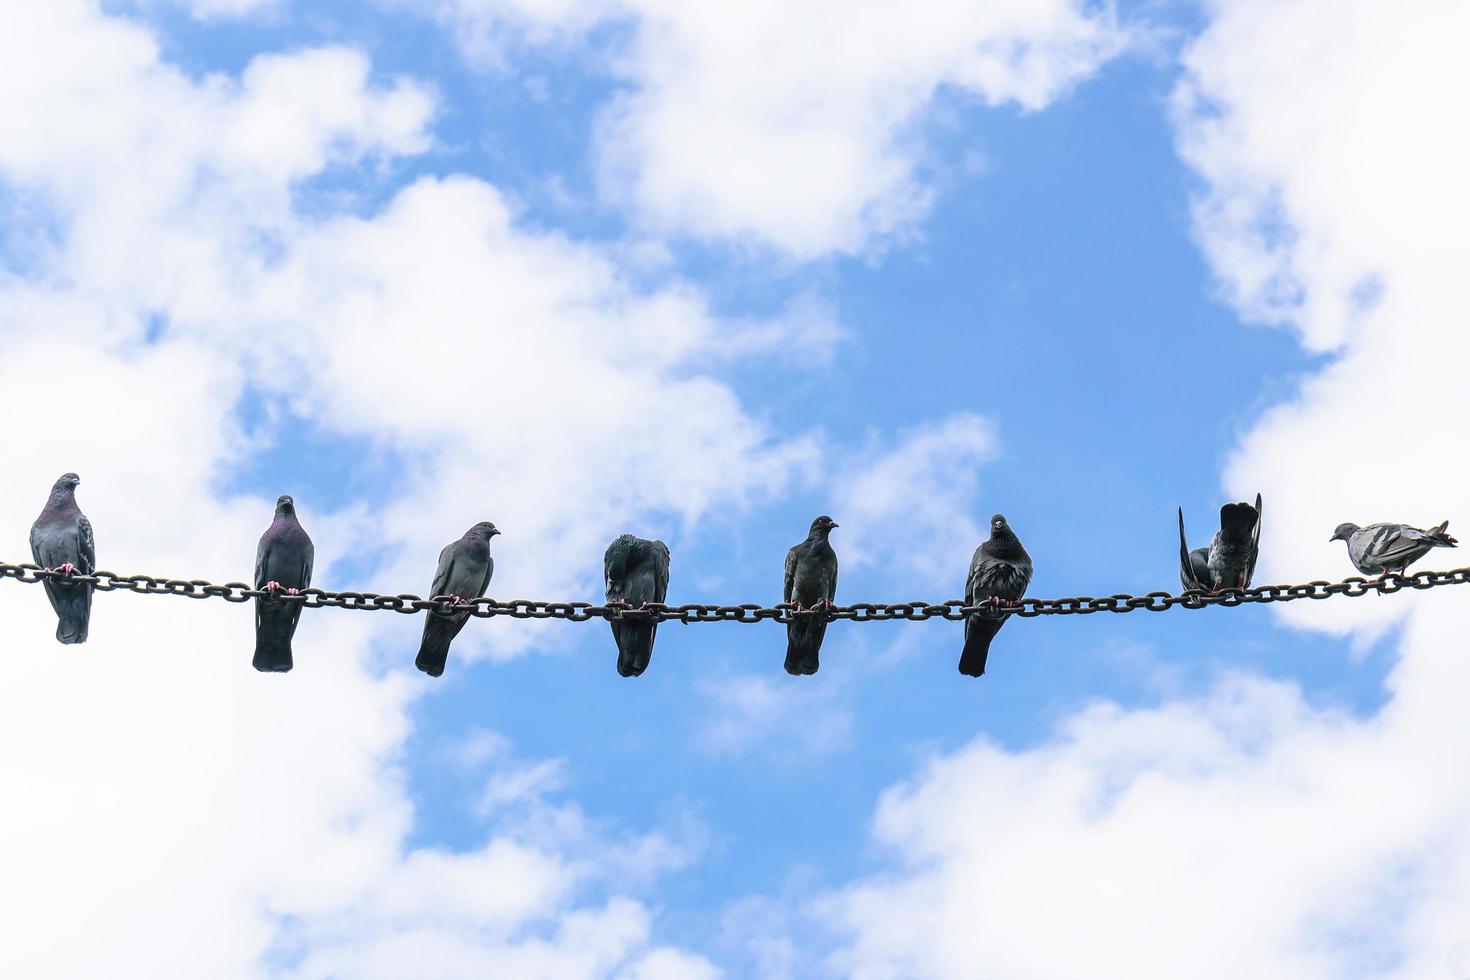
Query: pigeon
x=999 y=574
x=811 y=583
x=465 y=567
x=1229 y=561
x=282 y=563
x=61 y=540
x=637 y=572
x=1380 y=548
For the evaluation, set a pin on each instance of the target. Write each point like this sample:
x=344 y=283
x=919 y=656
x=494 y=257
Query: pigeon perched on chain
x=1229 y=561
x=811 y=583
x=464 y=571
x=636 y=571
x=282 y=564
x=61 y=540
x=999 y=574
x=1382 y=548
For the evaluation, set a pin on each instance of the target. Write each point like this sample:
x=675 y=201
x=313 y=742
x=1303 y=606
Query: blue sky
x=426 y=263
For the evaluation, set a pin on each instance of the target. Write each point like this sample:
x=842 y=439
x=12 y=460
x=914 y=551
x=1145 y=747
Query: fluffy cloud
x=182 y=815
x=794 y=125
x=1247 y=831
x=749 y=708
x=899 y=503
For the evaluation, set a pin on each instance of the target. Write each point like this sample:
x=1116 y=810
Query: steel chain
x=858 y=612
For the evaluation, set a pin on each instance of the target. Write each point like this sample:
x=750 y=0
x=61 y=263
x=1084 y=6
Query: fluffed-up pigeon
x=636 y=571
x=61 y=540
x=811 y=583
x=999 y=574
x=464 y=571
x=1229 y=561
x=282 y=564
x=1381 y=548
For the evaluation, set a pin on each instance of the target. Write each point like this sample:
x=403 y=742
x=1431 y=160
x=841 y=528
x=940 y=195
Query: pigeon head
x=1343 y=532
x=66 y=481
x=486 y=528
x=823 y=525
x=999 y=527
x=285 y=505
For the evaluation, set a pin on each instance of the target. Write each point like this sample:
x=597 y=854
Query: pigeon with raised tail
x=464 y=571
x=282 y=564
x=61 y=540
x=636 y=571
x=1382 y=548
x=1229 y=561
x=999 y=575
x=811 y=583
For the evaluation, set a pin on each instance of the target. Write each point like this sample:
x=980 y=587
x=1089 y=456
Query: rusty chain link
x=860 y=612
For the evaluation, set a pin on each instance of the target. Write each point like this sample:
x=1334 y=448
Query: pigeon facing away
x=999 y=574
x=465 y=567
x=282 y=563
x=1230 y=560
x=636 y=571
x=1380 y=548
x=811 y=583
x=61 y=539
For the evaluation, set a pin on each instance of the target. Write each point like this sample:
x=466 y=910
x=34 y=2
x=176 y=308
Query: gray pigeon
x=1380 y=548
x=1229 y=561
x=637 y=572
x=999 y=574
x=811 y=583
x=61 y=539
x=465 y=567
x=282 y=563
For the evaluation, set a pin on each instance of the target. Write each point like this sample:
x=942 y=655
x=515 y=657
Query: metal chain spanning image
x=861 y=612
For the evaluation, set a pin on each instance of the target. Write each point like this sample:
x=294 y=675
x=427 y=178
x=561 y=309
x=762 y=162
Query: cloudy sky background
x=703 y=272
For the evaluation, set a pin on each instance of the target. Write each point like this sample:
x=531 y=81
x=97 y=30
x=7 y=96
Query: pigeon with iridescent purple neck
x=282 y=564
x=61 y=540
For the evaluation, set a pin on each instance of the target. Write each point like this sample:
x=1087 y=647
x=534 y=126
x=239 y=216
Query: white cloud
x=912 y=506
x=1248 y=831
x=794 y=125
x=1244 y=833
x=215 y=10
x=183 y=815
x=806 y=721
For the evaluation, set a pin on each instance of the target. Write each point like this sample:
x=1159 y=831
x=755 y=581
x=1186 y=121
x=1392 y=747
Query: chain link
x=859 y=612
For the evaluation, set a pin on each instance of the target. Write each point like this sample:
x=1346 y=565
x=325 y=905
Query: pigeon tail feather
x=274 y=627
x=977 y=644
x=434 y=648
x=804 y=644
x=635 y=647
x=73 y=605
x=1238 y=523
x=272 y=655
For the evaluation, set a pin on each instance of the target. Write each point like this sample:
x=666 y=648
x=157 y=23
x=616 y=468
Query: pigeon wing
x=1250 y=568
x=86 y=546
x=660 y=558
x=445 y=570
x=791 y=559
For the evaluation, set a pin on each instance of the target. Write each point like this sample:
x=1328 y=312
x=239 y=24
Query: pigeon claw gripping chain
x=954 y=610
x=636 y=575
